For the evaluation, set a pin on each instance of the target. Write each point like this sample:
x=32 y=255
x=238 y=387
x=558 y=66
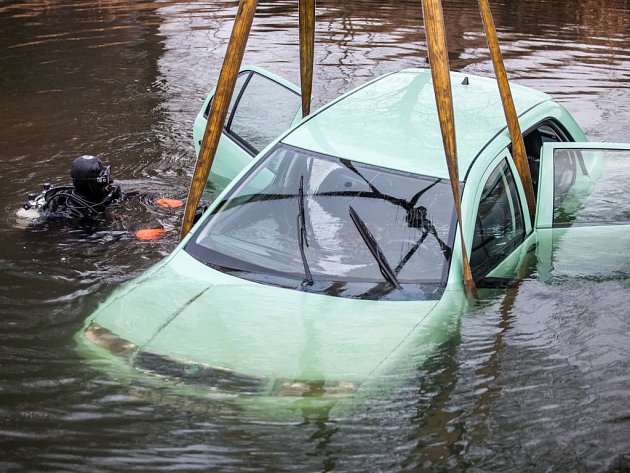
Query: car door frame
x=514 y=258
x=544 y=225
x=233 y=154
x=545 y=204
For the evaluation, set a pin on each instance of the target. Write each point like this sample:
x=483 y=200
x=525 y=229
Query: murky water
x=538 y=380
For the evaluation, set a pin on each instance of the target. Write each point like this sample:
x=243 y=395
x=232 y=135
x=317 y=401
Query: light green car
x=331 y=258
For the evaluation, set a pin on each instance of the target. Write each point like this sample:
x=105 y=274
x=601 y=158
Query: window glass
x=354 y=223
x=499 y=227
x=549 y=134
x=591 y=187
x=533 y=141
x=240 y=82
x=265 y=110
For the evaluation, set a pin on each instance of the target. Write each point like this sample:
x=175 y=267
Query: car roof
x=392 y=122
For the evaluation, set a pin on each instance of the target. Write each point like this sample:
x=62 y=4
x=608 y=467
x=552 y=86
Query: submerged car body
x=330 y=257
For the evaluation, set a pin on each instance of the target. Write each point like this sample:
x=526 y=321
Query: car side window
x=264 y=110
x=534 y=139
x=499 y=226
x=241 y=80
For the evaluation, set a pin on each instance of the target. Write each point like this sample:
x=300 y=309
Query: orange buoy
x=170 y=203
x=150 y=233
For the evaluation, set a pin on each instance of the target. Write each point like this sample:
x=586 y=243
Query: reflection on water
x=533 y=381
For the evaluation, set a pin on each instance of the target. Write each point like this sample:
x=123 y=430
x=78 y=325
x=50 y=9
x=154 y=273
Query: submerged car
x=330 y=257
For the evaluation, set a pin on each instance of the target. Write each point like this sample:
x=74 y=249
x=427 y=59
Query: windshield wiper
x=376 y=251
x=302 y=240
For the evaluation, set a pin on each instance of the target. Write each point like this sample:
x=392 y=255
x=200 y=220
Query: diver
x=91 y=192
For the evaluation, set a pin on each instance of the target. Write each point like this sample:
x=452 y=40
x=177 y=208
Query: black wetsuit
x=65 y=202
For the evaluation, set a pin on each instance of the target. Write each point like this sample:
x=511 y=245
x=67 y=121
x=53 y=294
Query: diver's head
x=91 y=178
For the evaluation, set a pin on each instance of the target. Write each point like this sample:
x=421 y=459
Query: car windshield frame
x=409 y=214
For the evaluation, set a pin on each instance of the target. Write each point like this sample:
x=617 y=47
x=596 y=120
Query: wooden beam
x=518 y=146
x=438 y=58
x=218 y=110
x=307 y=51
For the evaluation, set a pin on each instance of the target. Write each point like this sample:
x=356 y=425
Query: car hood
x=186 y=311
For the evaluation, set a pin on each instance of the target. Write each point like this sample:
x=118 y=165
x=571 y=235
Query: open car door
x=263 y=106
x=583 y=211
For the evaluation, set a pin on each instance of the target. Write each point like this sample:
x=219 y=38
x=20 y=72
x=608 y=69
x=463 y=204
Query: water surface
x=536 y=380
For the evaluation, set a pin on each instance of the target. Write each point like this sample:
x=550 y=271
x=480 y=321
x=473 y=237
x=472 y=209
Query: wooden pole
x=307 y=51
x=438 y=58
x=518 y=146
x=218 y=110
